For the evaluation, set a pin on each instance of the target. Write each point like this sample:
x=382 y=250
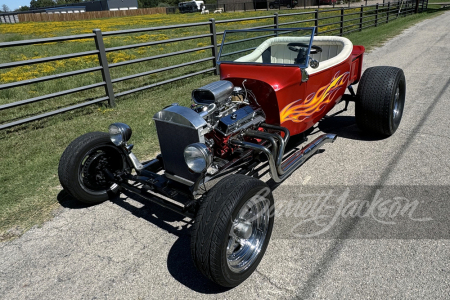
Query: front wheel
x=84 y=165
x=232 y=229
x=380 y=100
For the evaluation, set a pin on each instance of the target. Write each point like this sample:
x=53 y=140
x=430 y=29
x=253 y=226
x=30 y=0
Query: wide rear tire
x=82 y=167
x=232 y=229
x=380 y=100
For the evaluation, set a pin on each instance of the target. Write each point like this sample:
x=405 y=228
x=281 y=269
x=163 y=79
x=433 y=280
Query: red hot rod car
x=274 y=84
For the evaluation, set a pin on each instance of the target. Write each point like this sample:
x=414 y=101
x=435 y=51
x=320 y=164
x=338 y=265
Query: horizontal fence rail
x=342 y=21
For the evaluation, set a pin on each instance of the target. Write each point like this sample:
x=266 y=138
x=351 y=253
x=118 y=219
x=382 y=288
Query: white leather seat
x=334 y=51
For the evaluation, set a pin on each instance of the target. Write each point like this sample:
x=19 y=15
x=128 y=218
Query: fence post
x=267 y=3
x=421 y=9
x=244 y=7
x=387 y=14
x=361 y=16
x=426 y=6
x=275 y=22
x=341 y=29
x=212 y=30
x=316 y=21
x=376 y=15
x=105 y=68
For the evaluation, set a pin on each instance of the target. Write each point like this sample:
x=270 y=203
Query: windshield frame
x=275 y=30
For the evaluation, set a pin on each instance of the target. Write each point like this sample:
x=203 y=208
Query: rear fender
x=356 y=67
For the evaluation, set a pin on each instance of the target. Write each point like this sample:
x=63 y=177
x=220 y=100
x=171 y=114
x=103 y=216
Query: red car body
x=289 y=102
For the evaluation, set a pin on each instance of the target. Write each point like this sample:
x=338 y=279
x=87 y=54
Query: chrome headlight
x=198 y=157
x=119 y=133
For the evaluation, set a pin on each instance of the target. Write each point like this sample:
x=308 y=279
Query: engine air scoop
x=217 y=92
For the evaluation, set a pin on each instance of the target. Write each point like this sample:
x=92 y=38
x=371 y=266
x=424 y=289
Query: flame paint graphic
x=315 y=102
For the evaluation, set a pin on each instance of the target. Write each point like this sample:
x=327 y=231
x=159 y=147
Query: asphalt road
x=129 y=249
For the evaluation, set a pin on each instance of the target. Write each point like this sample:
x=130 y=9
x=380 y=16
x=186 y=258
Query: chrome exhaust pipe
x=278 y=155
x=266 y=136
x=292 y=162
x=283 y=142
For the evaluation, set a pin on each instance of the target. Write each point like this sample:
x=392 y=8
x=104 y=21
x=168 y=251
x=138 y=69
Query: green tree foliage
x=147 y=3
x=41 y=3
x=23 y=8
x=50 y=3
x=155 y=3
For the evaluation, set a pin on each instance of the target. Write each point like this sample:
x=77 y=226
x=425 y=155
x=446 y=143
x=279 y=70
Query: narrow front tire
x=84 y=165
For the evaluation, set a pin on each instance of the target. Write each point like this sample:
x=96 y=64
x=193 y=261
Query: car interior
x=327 y=50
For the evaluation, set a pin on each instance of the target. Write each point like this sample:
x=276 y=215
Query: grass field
x=29 y=184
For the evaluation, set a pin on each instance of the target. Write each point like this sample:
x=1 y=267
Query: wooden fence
x=45 y=17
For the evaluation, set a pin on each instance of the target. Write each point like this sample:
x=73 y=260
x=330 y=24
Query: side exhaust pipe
x=291 y=163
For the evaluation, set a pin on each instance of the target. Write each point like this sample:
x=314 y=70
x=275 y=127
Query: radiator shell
x=177 y=127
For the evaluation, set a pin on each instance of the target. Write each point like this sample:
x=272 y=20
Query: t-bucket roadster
x=274 y=84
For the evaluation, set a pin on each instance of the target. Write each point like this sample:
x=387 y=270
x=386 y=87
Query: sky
x=13 y=4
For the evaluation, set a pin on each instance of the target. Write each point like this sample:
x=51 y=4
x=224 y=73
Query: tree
x=23 y=8
x=148 y=3
x=5 y=8
x=41 y=3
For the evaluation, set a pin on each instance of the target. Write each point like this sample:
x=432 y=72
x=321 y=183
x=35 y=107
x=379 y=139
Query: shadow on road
x=344 y=127
x=67 y=201
x=181 y=267
x=179 y=262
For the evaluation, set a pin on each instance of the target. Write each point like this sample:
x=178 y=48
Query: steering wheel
x=297 y=46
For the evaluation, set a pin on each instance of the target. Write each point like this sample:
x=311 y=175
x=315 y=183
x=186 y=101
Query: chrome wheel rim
x=247 y=234
x=396 y=110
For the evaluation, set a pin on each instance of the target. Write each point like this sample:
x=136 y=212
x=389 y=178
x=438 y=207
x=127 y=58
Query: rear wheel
x=84 y=165
x=232 y=229
x=381 y=99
